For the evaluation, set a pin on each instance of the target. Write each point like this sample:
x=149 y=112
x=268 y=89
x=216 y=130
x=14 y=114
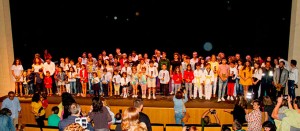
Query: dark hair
x=35 y=97
x=20 y=63
x=67 y=99
x=44 y=95
x=55 y=109
x=270 y=125
x=137 y=103
x=237 y=125
x=178 y=95
x=97 y=104
x=294 y=62
x=297 y=101
x=5 y=111
x=11 y=92
x=206 y=120
x=118 y=116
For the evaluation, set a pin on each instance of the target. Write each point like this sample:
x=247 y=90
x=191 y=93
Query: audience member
x=13 y=104
x=236 y=126
x=38 y=110
x=254 y=117
x=54 y=119
x=268 y=107
x=139 y=104
x=99 y=115
x=205 y=119
x=289 y=119
x=179 y=106
x=6 y=122
x=269 y=126
x=74 y=127
x=238 y=111
x=130 y=120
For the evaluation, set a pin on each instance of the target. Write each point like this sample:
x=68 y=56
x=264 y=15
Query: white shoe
x=200 y=97
x=222 y=99
x=219 y=100
x=143 y=96
x=154 y=97
x=228 y=97
x=172 y=93
x=231 y=98
x=149 y=97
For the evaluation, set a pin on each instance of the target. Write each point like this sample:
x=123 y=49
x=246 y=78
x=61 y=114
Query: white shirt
x=257 y=73
x=125 y=81
x=152 y=71
x=198 y=74
x=164 y=74
x=116 y=79
x=233 y=71
x=49 y=67
x=293 y=74
x=17 y=71
x=127 y=70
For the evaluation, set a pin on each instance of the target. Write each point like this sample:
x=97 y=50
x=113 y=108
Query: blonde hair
x=74 y=127
x=130 y=120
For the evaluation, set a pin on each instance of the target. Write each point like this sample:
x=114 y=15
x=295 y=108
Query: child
x=231 y=80
x=151 y=81
x=67 y=82
x=164 y=78
x=48 y=83
x=44 y=100
x=125 y=83
x=25 y=83
x=95 y=84
x=54 y=119
x=117 y=81
x=30 y=81
x=106 y=78
x=72 y=80
x=83 y=79
x=177 y=77
x=39 y=80
x=134 y=82
x=208 y=81
x=143 y=81
x=78 y=83
x=188 y=78
x=61 y=78
x=198 y=73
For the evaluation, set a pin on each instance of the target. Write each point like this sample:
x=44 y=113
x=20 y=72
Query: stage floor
x=164 y=102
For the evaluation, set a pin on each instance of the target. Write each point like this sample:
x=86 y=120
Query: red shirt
x=83 y=75
x=48 y=82
x=188 y=75
x=45 y=103
x=177 y=78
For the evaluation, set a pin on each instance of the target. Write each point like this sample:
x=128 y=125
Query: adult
x=6 y=123
x=17 y=72
x=289 y=119
x=280 y=78
x=99 y=115
x=254 y=117
x=139 y=104
x=66 y=100
x=238 y=111
x=13 y=104
x=38 y=110
x=293 y=78
x=130 y=120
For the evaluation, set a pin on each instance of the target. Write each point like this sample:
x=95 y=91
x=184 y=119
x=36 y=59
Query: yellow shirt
x=214 y=66
x=36 y=107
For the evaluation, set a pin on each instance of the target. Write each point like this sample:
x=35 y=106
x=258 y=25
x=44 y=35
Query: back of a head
x=297 y=101
x=178 y=95
x=206 y=120
x=138 y=103
x=55 y=109
x=5 y=111
x=236 y=125
x=67 y=99
x=75 y=108
x=270 y=125
x=130 y=117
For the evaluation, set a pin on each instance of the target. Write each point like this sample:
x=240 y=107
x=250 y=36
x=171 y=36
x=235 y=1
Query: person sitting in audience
x=191 y=128
x=269 y=126
x=118 y=121
x=289 y=119
x=130 y=120
x=6 y=122
x=54 y=119
x=205 y=119
x=99 y=115
x=238 y=111
x=236 y=126
x=139 y=104
x=75 y=110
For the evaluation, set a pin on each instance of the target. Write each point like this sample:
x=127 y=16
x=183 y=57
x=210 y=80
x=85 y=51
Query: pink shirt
x=223 y=70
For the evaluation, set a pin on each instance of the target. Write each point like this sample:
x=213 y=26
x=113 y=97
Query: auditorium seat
x=244 y=126
x=33 y=127
x=207 y=127
x=157 y=127
x=173 y=127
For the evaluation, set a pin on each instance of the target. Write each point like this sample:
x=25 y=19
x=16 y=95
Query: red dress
x=48 y=82
x=83 y=75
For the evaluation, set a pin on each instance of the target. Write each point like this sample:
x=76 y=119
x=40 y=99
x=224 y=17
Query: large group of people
x=230 y=78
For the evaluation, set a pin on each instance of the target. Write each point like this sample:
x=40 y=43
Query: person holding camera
x=205 y=119
x=179 y=106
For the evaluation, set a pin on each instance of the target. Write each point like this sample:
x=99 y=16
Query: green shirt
x=53 y=120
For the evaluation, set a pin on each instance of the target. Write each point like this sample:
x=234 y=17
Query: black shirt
x=144 y=118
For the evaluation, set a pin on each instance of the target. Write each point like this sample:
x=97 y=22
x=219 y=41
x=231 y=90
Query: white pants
x=215 y=85
x=68 y=88
x=199 y=89
x=208 y=91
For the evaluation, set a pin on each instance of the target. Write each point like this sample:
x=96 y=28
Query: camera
x=285 y=97
x=82 y=121
x=213 y=112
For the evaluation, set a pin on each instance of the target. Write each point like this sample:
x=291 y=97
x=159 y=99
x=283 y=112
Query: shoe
x=149 y=97
x=200 y=97
x=172 y=93
x=222 y=99
x=143 y=96
x=228 y=97
x=154 y=97
x=231 y=98
x=219 y=100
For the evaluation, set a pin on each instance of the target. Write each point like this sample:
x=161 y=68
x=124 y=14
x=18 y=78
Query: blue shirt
x=13 y=106
x=6 y=123
x=179 y=104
